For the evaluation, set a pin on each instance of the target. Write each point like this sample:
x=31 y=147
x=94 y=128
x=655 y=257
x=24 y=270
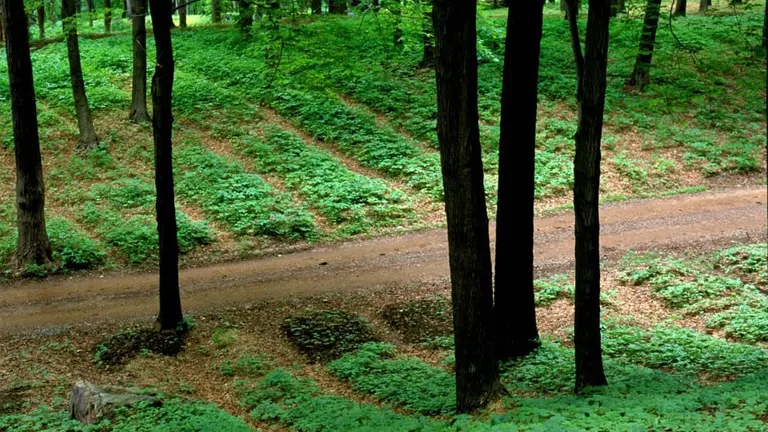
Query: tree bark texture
x=41 y=22
x=514 y=307
x=139 y=85
x=591 y=77
x=427 y=36
x=89 y=6
x=170 y=315
x=215 y=11
x=88 y=139
x=2 y=26
x=182 y=13
x=33 y=246
x=107 y=16
x=641 y=74
x=468 y=242
x=90 y=404
x=680 y=7
x=245 y=18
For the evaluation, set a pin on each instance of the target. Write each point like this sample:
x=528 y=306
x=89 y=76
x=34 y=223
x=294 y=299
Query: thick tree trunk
x=33 y=246
x=680 y=7
x=427 y=36
x=338 y=7
x=215 y=11
x=139 y=88
x=641 y=74
x=182 y=13
x=2 y=27
x=41 y=22
x=317 y=6
x=88 y=139
x=107 y=16
x=245 y=19
x=591 y=73
x=468 y=244
x=170 y=315
x=514 y=307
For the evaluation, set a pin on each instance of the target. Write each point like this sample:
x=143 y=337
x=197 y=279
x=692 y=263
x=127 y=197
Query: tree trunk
x=495 y=4
x=139 y=88
x=107 y=16
x=89 y=6
x=215 y=11
x=680 y=7
x=641 y=74
x=617 y=6
x=88 y=138
x=245 y=19
x=591 y=77
x=376 y=6
x=41 y=22
x=514 y=306
x=90 y=404
x=468 y=243
x=52 y=12
x=427 y=36
x=2 y=27
x=703 y=6
x=126 y=8
x=171 y=24
x=317 y=6
x=338 y=7
x=33 y=246
x=182 y=14
x=170 y=315
x=765 y=46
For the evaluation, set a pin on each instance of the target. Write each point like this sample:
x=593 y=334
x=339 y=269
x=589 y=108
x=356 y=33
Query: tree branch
x=184 y=5
x=572 y=15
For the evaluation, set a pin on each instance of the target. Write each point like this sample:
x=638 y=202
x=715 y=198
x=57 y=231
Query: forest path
x=701 y=221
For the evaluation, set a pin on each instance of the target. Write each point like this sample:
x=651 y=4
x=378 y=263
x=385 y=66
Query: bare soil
x=701 y=221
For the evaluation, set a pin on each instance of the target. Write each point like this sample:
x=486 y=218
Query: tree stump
x=90 y=403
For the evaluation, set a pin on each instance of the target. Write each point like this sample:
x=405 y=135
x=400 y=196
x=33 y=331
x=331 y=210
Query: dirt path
x=697 y=221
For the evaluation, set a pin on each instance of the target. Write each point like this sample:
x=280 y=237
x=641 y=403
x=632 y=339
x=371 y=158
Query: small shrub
x=120 y=348
x=327 y=335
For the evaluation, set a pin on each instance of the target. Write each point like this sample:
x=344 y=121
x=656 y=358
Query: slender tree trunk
x=215 y=11
x=170 y=16
x=680 y=7
x=33 y=246
x=139 y=88
x=591 y=77
x=317 y=6
x=88 y=139
x=641 y=74
x=462 y=169
x=514 y=307
x=245 y=19
x=107 y=16
x=52 y=12
x=703 y=6
x=338 y=7
x=126 y=9
x=427 y=36
x=89 y=6
x=2 y=26
x=495 y=4
x=182 y=14
x=397 y=35
x=170 y=315
x=41 y=22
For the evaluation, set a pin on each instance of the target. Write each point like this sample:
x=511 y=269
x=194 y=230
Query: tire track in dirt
x=684 y=222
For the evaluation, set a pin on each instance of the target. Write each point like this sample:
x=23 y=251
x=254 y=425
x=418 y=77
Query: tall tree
x=703 y=5
x=139 y=87
x=514 y=307
x=641 y=74
x=41 y=21
x=215 y=11
x=182 y=9
x=680 y=7
x=107 y=16
x=89 y=6
x=462 y=168
x=245 y=18
x=88 y=139
x=170 y=315
x=33 y=246
x=2 y=26
x=591 y=77
x=427 y=35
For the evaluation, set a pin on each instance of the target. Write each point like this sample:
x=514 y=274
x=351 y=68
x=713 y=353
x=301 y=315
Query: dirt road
x=696 y=221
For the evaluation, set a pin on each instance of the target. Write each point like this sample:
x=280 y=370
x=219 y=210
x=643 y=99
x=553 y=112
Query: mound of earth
x=120 y=348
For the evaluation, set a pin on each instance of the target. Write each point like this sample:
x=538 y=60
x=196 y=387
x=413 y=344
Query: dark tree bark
x=462 y=169
x=514 y=307
x=245 y=19
x=680 y=7
x=641 y=74
x=591 y=76
x=170 y=315
x=765 y=46
x=139 y=88
x=88 y=139
x=89 y=6
x=215 y=11
x=495 y=4
x=107 y=16
x=338 y=7
x=33 y=246
x=317 y=6
x=2 y=27
x=182 y=14
x=41 y=22
x=172 y=24
x=126 y=8
x=427 y=36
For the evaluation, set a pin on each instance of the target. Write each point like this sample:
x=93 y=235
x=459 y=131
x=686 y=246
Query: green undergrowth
x=729 y=287
x=328 y=334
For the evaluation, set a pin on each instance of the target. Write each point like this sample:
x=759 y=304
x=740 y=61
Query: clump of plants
x=420 y=320
x=329 y=334
x=120 y=348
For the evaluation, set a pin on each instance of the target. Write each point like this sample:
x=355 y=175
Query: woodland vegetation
x=272 y=125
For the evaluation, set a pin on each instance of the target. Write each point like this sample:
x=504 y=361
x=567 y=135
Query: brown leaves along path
x=683 y=222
